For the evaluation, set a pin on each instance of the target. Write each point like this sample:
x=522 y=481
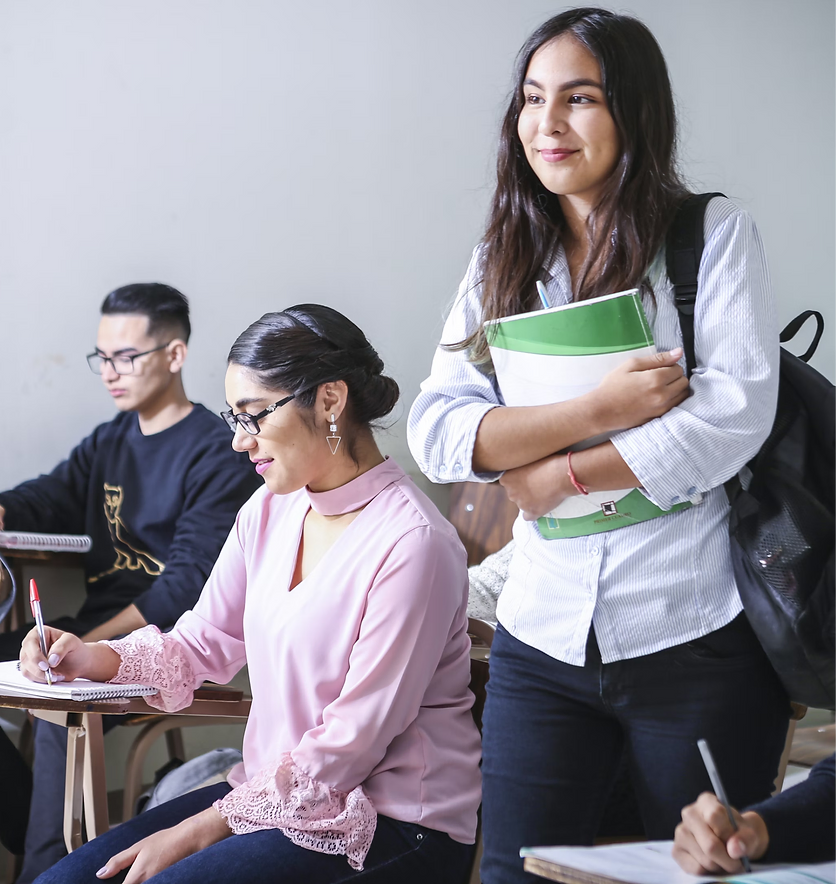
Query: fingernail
x=54 y=660
x=42 y=664
x=677 y=352
x=102 y=871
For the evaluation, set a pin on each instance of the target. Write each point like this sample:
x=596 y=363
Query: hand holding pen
x=713 y=838
x=35 y=605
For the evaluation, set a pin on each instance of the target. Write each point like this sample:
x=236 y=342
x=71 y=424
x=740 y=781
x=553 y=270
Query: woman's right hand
x=68 y=657
x=641 y=389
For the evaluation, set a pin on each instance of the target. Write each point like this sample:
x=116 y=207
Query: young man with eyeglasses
x=157 y=488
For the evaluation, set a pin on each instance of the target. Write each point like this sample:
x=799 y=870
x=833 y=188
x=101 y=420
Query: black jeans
x=17 y=789
x=401 y=853
x=554 y=734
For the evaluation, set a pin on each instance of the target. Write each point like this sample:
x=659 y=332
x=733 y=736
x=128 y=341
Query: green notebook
x=557 y=354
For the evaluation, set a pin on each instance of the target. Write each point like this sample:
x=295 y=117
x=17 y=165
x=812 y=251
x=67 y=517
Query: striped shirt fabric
x=658 y=583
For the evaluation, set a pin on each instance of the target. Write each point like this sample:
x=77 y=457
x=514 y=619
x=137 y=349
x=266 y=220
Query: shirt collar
x=356 y=493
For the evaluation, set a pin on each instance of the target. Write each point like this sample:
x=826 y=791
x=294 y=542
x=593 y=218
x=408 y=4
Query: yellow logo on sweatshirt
x=128 y=558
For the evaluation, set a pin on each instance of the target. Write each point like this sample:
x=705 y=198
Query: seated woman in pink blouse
x=344 y=590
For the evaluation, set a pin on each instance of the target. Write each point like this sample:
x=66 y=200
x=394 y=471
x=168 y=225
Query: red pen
x=35 y=605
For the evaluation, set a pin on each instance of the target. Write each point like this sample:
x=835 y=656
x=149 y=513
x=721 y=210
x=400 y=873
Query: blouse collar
x=356 y=493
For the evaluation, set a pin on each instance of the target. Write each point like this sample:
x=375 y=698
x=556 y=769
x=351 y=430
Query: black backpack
x=782 y=503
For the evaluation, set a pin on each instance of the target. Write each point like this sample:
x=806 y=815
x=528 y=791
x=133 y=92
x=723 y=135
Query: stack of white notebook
x=13 y=681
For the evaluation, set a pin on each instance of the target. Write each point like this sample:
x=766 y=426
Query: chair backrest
x=482 y=515
x=481 y=636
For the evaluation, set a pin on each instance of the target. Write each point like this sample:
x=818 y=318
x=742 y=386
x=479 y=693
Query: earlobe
x=334 y=400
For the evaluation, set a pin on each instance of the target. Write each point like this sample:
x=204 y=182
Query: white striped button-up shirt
x=658 y=583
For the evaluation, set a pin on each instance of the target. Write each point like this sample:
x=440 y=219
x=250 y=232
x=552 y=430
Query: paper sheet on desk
x=650 y=862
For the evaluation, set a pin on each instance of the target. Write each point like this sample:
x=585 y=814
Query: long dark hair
x=300 y=348
x=628 y=225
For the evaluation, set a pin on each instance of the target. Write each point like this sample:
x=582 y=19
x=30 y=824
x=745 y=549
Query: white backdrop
x=260 y=153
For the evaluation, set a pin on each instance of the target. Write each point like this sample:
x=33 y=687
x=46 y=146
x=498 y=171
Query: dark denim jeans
x=554 y=734
x=401 y=853
x=17 y=789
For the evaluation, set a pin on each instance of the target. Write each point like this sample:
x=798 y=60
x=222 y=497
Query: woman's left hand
x=167 y=847
x=537 y=488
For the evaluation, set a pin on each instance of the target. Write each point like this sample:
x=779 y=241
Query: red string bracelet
x=580 y=488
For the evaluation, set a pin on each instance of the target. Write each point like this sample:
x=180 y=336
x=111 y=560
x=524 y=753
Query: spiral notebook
x=12 y=681
x=25 y=540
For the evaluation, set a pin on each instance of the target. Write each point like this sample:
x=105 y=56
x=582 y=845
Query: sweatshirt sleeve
x=703 y=442
x=217 y=487
x=54 y=503
x=444 y=419
x=486 y=582
x=802 y=821
x=314 y=793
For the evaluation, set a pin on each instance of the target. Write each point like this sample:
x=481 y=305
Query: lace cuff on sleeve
x=309 y=813
x=155 y=658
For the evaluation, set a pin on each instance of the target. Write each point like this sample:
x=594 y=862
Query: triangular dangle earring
x=333 y=440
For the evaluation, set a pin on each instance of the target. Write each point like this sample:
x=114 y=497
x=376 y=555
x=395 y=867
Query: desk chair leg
x=475 y=877
x=95 y=787
x=174 y=744
x=785 y=757
x=73 y=794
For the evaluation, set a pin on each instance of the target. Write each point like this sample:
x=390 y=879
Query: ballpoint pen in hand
x=719 y=791
x=35 y=605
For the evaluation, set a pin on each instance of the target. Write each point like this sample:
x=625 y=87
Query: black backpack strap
x=685 y=242
x=794 y=326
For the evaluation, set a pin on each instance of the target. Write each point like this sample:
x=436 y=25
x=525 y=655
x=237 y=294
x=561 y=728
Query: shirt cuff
x=151 y=657
x=450 y=457
x=664 y=470
x=311 y=814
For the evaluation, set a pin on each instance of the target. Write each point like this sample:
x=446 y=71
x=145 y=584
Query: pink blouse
x=359 y=674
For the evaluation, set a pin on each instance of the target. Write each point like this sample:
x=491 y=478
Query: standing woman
x=630 y=641
x=344 y=589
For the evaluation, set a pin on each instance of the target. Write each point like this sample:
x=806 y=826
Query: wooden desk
x=85 y=785
x=811 y=744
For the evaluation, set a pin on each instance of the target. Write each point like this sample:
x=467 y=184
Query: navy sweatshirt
x=158 y=508
x=802 y=821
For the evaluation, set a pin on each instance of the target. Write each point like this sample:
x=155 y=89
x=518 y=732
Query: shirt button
x=692 y=489
x=443 y=468
x=595 y=550
x=457 y=467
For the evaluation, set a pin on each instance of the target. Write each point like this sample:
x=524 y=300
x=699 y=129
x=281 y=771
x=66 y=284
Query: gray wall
x=257 y=154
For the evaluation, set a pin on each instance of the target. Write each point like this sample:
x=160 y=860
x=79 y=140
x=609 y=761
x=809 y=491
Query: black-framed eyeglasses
x=250 y=421
x=121 y=364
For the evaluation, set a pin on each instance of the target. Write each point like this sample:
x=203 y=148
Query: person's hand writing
x=641 y=389
x=67 y=656
x=705 y=842
x=165 y=848
x=538 y=487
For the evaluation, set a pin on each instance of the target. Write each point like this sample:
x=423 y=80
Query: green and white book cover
x=557 y=354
